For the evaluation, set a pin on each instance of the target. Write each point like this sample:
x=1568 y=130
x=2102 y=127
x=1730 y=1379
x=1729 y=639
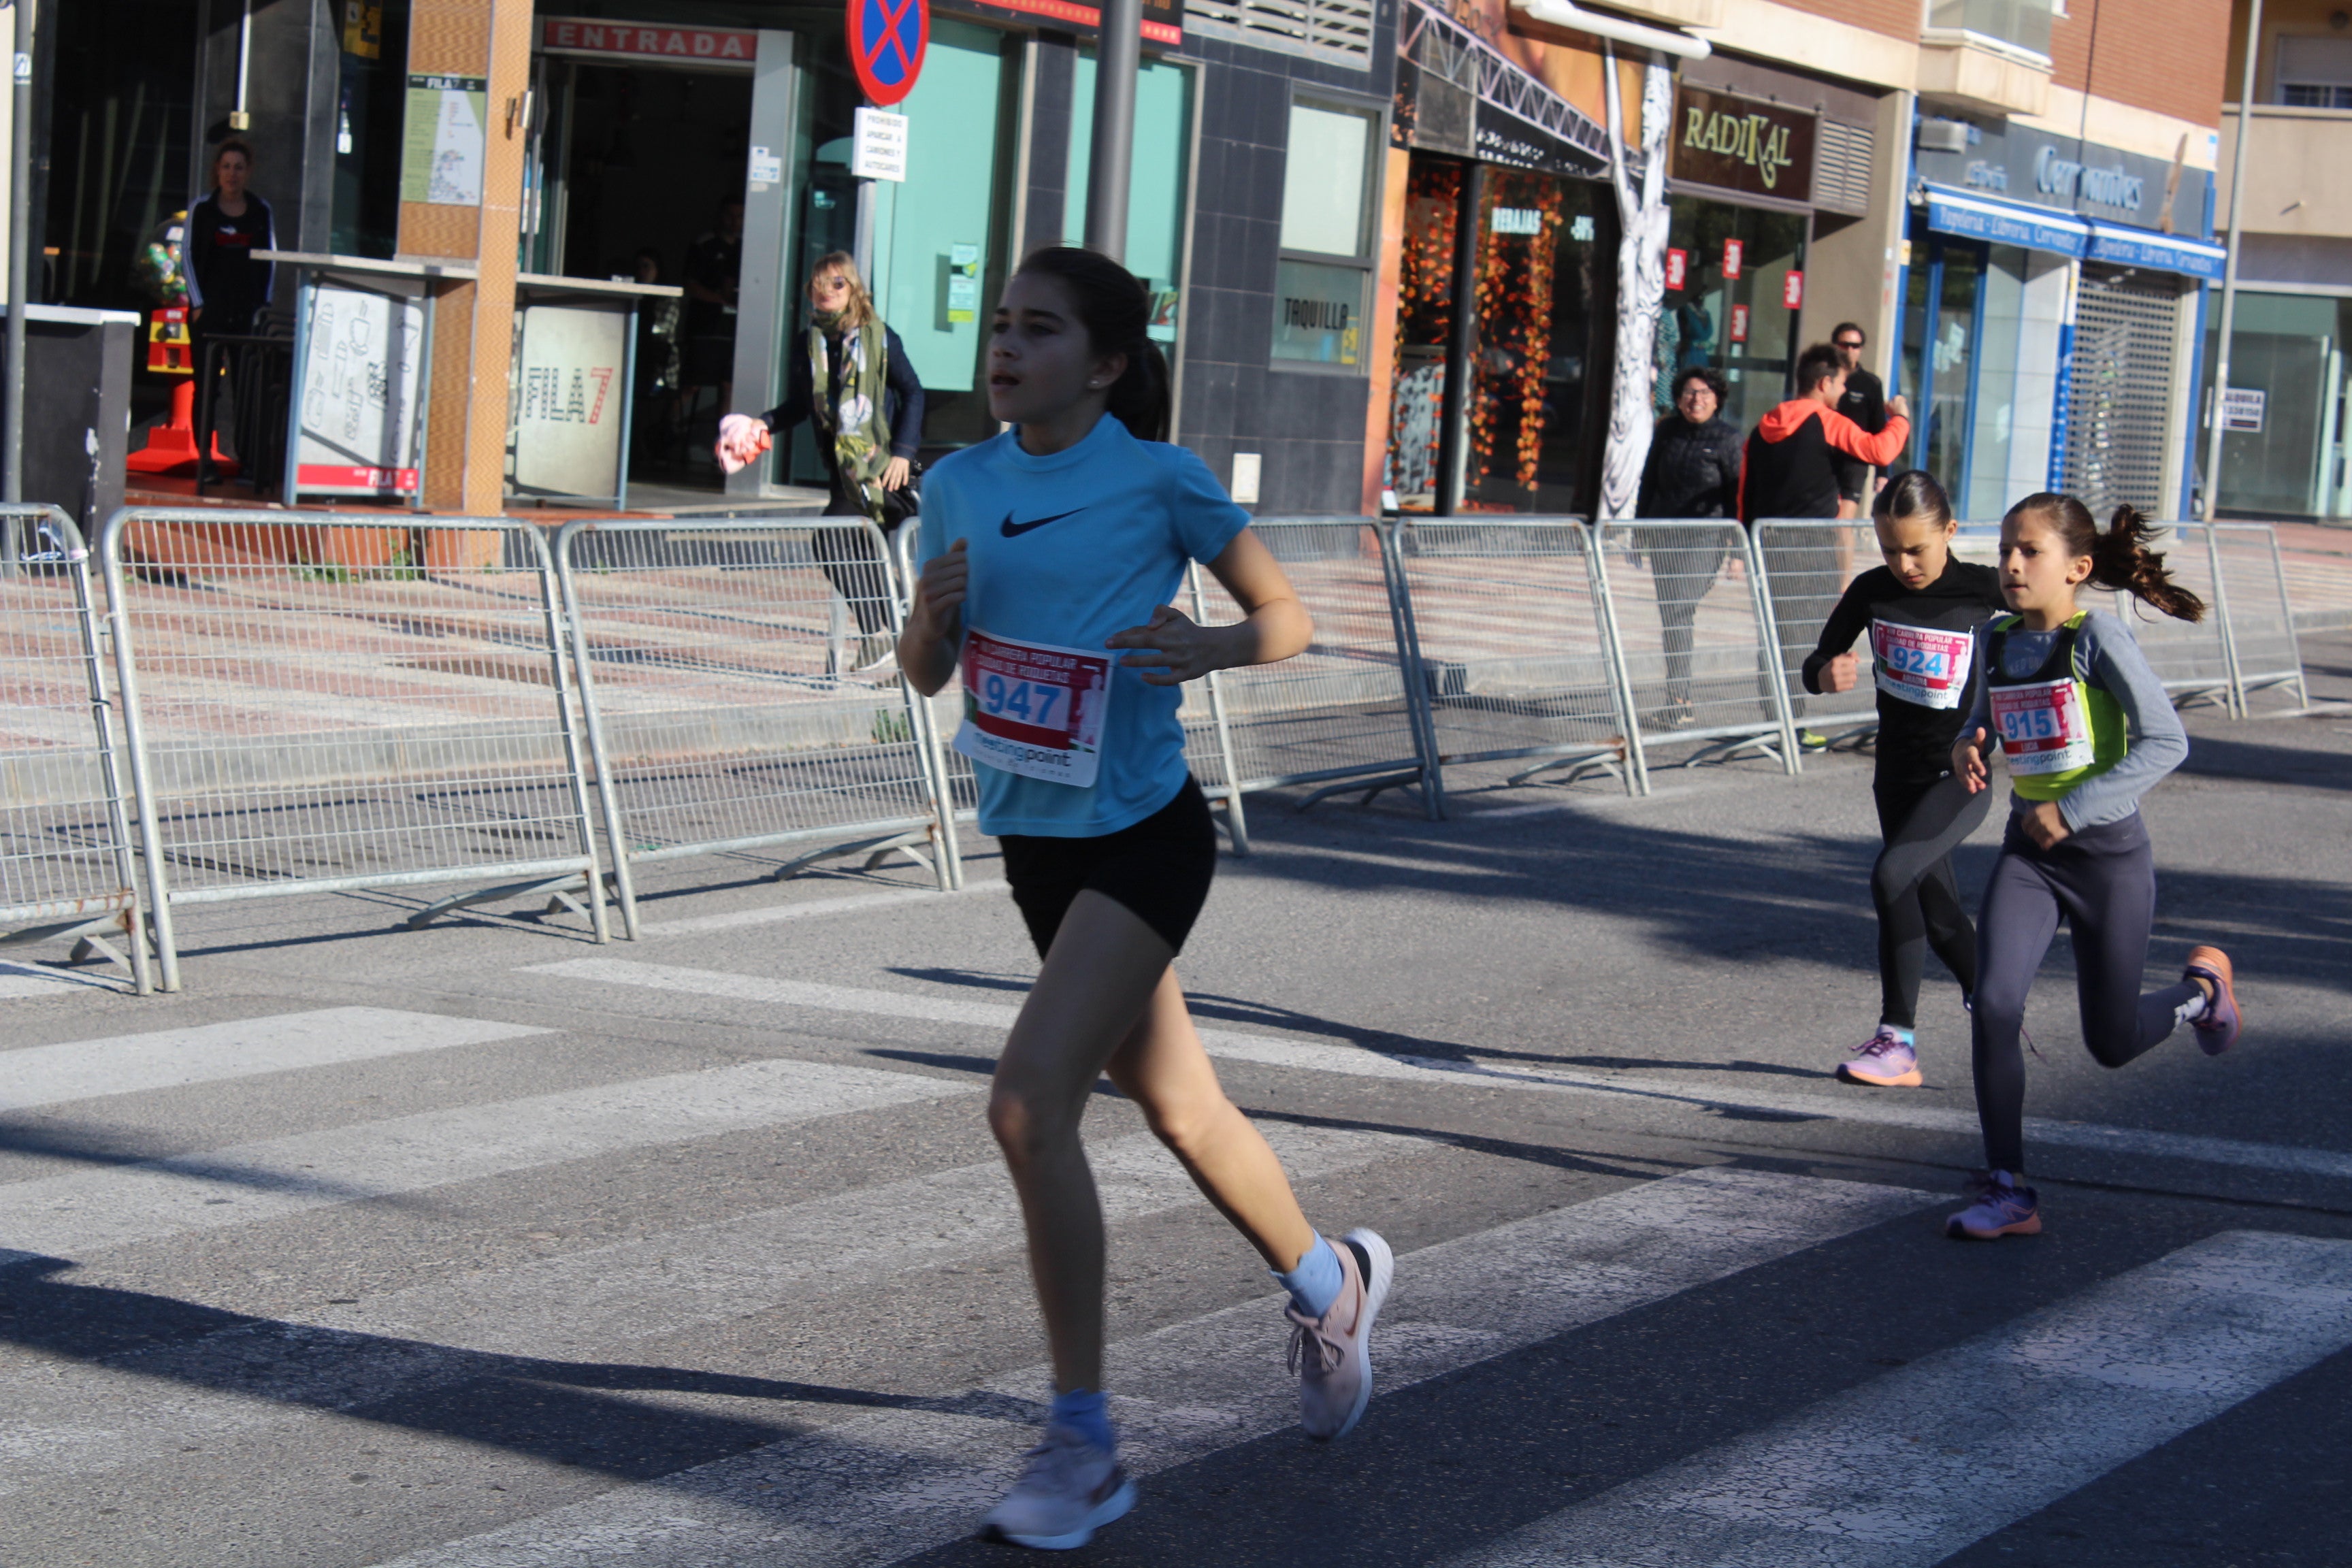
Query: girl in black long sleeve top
x=1921 y=610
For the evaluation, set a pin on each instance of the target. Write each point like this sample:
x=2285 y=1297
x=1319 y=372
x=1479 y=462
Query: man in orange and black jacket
x=1789 y=469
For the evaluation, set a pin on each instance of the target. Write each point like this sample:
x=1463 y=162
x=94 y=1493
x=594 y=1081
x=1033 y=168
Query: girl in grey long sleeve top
x=2106 y=651
x=2085 y=730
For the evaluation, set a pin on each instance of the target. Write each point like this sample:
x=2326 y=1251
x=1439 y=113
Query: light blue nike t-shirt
x=1067 y=550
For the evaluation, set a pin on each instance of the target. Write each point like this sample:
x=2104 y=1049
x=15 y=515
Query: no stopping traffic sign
x=887 y=38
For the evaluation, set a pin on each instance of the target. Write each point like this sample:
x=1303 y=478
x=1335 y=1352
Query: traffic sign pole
x=1118 y=55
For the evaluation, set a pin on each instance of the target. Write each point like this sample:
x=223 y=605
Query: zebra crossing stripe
x=1917 y=1464
x=1630 y=1089
x=20 y=980
x=879 y=1486
x=85 y=1212
x=206 y=1053
x=581 y=1305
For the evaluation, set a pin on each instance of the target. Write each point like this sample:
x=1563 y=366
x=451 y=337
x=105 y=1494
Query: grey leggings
x=2102 y=880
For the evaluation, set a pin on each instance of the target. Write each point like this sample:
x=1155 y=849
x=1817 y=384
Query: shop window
x=1537 y=256
x=1541 y=246
x=1732 y=310
x=938 y=234
x=2284 y=452
x=1323 y=278
x=1157 y=182
x=369 y=97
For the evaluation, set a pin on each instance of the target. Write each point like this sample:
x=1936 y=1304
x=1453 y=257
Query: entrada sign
x=1740 y=144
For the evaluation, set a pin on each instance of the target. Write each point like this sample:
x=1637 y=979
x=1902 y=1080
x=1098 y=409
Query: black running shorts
x=1160 y=868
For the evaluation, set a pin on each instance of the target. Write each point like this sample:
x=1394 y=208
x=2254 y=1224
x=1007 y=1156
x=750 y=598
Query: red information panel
x=1792 y=290
x=886 y=40
x=1678 y=268
x=1740 y=323
x=1734 y=252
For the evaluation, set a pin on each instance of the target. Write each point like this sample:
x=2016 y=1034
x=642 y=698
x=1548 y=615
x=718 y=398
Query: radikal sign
x=1742 y=144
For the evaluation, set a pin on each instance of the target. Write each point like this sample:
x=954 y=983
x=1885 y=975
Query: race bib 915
x=2043 y=727
x=1034 y=709
x=1921 y=664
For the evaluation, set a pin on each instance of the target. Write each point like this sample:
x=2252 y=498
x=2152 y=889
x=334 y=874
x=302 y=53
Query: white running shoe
x=1068 y=1490
x=1332 y=1354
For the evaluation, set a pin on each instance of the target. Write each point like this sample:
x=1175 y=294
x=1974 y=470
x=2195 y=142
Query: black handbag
x=904 y=502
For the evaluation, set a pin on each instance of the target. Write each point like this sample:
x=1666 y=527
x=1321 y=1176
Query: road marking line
x=581 y=1304
x=206 y=1053
x=1869 y=1109
x=584 y=1305
x=881 y=1486
x=76 y=1215
x=855 y=903
x=23 y=980
x=1917 y=1465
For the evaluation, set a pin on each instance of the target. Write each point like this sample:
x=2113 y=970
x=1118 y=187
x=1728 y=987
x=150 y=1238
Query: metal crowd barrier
x=67 y=868
x=2264 y=653
x=1509 y=619
x=1345 y=716
x=327 y=703
x=738 y=692
x=1689 y=611
x=2192 y=658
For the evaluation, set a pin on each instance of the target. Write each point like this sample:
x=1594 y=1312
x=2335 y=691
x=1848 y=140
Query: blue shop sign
x=2164 y=252
x=2006 y=223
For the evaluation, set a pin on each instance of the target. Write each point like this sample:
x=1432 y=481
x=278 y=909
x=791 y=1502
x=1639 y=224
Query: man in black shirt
x=1864 y=402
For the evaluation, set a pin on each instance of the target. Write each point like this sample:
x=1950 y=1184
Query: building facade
x=2283 y=441
x=2015 y=205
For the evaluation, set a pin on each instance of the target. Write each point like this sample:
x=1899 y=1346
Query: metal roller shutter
x=2120 y=402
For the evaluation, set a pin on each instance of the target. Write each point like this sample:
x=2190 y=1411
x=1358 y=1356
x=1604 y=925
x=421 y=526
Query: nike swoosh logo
x=1013 y=529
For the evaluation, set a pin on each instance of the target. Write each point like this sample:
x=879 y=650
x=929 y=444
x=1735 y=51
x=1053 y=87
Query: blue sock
x=1909 y=1036
x=1315 y=1284
x=1087 y=1413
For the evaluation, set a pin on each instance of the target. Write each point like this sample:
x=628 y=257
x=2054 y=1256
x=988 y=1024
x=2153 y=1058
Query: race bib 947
x=2043 y=727
x=1921 y=664
x=1033 y=709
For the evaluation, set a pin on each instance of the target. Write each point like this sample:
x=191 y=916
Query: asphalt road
x=486 y=1245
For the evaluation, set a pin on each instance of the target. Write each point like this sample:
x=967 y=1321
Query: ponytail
x=1115 y=308
x=2120 y=558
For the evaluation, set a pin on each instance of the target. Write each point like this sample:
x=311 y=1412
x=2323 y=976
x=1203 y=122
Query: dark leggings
x=2102 y=880
x=1918 y=897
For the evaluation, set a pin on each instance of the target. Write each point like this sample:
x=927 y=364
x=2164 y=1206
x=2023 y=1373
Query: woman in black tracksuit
x=1921 y=610
x=1692 y=472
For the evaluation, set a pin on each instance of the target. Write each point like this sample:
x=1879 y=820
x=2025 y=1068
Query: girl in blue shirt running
x=1052 y=551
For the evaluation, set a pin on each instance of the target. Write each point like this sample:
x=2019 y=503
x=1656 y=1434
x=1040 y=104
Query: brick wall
x=2168 y=55
x=1897 y=18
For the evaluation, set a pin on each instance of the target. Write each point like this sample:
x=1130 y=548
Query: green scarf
x=854 y=420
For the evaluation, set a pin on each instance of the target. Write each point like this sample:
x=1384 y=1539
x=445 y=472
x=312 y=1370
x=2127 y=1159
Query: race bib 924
x=1921 y=664
x=1033 y=709
x=2045 y=727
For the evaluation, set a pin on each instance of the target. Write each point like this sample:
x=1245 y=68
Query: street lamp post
x=2211 y=494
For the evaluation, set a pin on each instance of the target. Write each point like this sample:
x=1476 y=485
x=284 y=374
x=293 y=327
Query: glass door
x=1943 y=323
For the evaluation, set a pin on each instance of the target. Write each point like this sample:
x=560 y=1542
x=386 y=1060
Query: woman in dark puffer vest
x=1693 y=472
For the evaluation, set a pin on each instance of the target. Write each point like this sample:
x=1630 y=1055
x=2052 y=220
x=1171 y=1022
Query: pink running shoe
x=2001 y=1208
x=1332 y=1354
x=1888 y=1061
x=2217 y=1031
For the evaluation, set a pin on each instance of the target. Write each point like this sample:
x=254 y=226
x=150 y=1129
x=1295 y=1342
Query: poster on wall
x=356 y=423
x=570 y=399
x=442 y=141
